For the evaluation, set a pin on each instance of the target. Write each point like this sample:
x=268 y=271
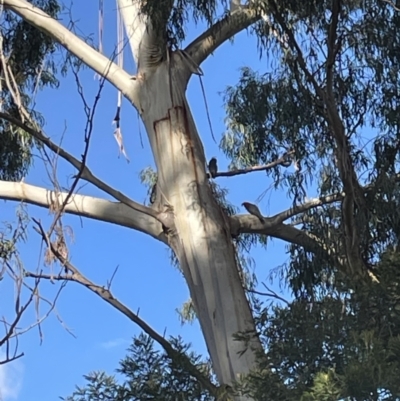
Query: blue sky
x=145 y=278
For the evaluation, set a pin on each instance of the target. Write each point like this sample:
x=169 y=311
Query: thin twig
x=280 y=161
x=86 y=174
x=90 y=113
x=106 y=295
x=207 y=111
x=269 y=294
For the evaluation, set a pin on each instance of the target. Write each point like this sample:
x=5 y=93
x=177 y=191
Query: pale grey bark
x=200 y=234
x=85 y=206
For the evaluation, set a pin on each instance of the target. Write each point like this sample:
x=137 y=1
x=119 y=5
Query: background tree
x=340 y=347
x=327 y=102
x=24 y=70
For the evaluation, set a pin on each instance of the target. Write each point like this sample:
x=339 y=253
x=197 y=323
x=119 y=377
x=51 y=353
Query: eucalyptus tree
x=24 y=71
x=25 y=62
x=333 y=75
x=341 y=346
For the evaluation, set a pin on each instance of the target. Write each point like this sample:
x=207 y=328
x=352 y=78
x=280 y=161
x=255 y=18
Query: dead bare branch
x=109 y=282
x=90 y=113
x=278 y=162
x=270 y=293
x=104 y=293
x=10 y=328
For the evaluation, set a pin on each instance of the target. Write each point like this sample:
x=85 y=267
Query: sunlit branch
x=86 y=174
x=147 y=40
x=85 y=206
x=92 y=58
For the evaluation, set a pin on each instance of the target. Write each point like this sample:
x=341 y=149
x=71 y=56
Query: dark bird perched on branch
x=153 y=193
x=287 y=159
x=213 y=167
x=254 y=210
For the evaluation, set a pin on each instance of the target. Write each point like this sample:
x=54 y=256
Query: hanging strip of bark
x=120 y=61
x=101 y=26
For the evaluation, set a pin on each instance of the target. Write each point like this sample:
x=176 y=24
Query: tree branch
x=90 y=113
x=256 y=226
x=107 y=296
x=281 y=161
x=86 y=174
x=10 y=328
x=248 y=224
x=271 y=294
x=292 y=42
x=332 y=47
x=392 y=4
x=344 y=162
x=86 y=206
x=221 y=31
x=92 y=58
x=311 y=204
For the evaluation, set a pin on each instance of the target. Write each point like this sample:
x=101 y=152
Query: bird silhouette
x=213 y=167
x=254 y=210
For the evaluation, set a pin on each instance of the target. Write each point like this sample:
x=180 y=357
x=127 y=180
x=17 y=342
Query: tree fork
x=201 y=239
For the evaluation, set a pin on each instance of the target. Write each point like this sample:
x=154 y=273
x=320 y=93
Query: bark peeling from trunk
x=202 y=240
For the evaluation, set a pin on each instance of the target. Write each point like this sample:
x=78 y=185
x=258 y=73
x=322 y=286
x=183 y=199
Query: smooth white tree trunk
x=200 y=234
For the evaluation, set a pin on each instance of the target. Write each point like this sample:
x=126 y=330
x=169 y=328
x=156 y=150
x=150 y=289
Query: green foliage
x=15 y=152
x=11 y=235
x=338 y=347
x=171 y=17
x=30 y=57
x=335 y=341
x=148 y=177
x=282 y=109
x=28 y=49
x=100 y=387
x=335 y=348
x=146 y=374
